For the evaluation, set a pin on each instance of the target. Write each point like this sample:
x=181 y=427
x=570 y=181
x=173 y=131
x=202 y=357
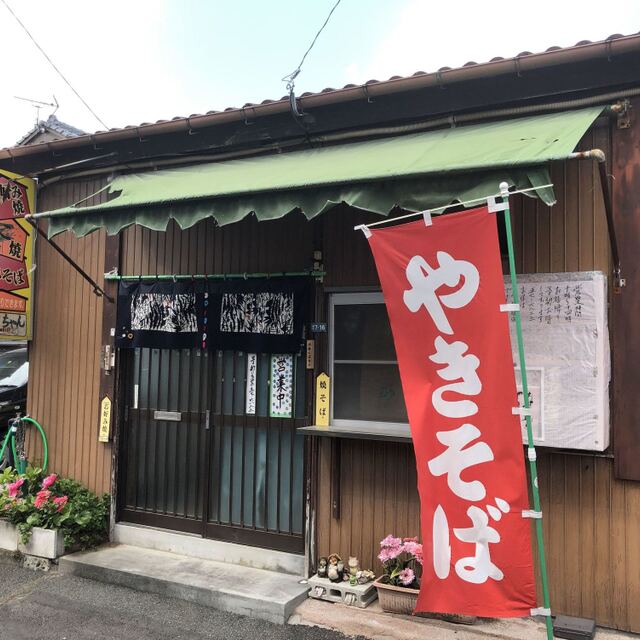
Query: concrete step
x=243 y=590
x=195 y=546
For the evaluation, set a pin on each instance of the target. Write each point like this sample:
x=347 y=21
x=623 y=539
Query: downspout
x=599 y=156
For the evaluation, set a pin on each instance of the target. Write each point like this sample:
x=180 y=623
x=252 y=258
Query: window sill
x=353 y=434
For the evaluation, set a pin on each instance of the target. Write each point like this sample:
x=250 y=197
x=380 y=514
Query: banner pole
x=533 y=467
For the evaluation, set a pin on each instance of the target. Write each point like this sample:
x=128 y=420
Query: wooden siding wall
x=64 y=356
x=591 y=520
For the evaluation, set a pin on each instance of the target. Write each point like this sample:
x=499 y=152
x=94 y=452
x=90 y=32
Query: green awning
x=414 y=171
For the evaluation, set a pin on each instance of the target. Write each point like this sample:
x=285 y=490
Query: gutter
x=518 y=65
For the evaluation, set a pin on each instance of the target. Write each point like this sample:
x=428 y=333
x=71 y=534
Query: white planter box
x=8 y=536
x=45 y=543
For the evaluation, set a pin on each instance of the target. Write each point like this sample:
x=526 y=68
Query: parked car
x=14 y=376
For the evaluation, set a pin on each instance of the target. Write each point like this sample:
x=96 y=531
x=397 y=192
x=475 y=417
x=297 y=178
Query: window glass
x=362 y=332
x=368 y=392
x=366 y=381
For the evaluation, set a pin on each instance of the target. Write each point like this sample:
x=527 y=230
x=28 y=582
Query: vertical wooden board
x=402 y=493
x=573 y=521
x=367 y=522
x=529 y=237
x=347 y=497
x=602 y=247
x=632 y=553
x=572 y=216
x=555 y=543
x=379 y=528
x=558 y=220
x=587 y=185
x=626 y=304
x=586 y=535
x=603 y=611
x=619 y=544
x=517 y=230
x=357 y=508
x=543 y=236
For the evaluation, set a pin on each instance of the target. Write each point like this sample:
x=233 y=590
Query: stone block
x=45 y=543
x=360 y=595
x=8 y=536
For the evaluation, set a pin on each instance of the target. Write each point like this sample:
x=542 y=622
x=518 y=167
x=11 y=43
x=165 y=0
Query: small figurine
x=365 y=576
x=322 y=567
x=353 y=570
x=335 y=568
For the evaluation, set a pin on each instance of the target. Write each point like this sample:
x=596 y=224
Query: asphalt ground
x=38 y=605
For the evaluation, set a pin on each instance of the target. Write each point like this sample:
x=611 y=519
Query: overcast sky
x=142 y=60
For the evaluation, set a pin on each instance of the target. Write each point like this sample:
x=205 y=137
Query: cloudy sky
x=141 y=60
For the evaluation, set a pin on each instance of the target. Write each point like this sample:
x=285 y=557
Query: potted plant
x=50 y=514
x=399 y=586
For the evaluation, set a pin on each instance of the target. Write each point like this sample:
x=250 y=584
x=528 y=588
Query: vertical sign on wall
x=252 y=376
x=323 y=393
x=281 y=381
x=17 y=198
x=443 y=287
x=105 y=419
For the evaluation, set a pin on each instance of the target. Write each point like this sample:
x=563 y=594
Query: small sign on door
x=323 y=388
x=105 y=419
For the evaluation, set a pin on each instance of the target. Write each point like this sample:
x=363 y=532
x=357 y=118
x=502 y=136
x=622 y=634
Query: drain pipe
x=599 y=156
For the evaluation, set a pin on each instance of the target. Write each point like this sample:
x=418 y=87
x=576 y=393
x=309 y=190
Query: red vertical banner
x=443 y=288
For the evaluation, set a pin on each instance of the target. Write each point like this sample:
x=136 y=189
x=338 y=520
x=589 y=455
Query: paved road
x=50 y=606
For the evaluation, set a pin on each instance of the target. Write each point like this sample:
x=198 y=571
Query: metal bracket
x=624 y=115
x=509 y=307
x=540 y=611
x=364 y=229
x=531 y=454
x=494 y=206
x=529 y=513
x=521 y=411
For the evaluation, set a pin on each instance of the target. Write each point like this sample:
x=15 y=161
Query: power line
x=42 y=51
x=290 y=78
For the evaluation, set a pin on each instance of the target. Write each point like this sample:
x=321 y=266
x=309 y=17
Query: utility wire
x=290 y=78
x=42 y=51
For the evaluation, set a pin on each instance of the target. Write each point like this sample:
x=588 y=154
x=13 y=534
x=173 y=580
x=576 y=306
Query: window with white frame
x=366 y=389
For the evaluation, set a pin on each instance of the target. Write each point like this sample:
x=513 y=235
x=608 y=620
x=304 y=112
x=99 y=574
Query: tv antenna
x=38 y=104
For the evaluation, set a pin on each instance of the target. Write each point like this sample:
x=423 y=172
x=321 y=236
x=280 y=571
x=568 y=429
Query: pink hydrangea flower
x=42 y=497
x=390 y=549
x=49 y=480
x=13 y=487
x=413 y=548
x=390 y=541
x=407 y=576
x=60 y=502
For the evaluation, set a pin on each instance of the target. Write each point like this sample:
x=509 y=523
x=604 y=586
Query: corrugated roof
x=306 y=94
x=393 y=83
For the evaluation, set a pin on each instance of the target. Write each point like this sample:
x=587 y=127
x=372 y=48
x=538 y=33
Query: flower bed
x=62 y=512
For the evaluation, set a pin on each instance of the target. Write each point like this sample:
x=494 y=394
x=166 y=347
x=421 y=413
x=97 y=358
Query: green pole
x=531 y=451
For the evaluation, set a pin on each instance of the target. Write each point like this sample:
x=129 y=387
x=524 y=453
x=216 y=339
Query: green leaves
x=83 y=519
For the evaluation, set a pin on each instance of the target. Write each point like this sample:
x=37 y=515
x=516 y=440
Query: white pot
x=45 y=543
x=8 y=536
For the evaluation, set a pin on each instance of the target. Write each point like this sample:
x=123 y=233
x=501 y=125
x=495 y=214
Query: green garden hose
x=45 y=445
x=21 y=466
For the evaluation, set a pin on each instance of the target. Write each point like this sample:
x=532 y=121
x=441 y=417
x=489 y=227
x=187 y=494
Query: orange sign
x=17 y=198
